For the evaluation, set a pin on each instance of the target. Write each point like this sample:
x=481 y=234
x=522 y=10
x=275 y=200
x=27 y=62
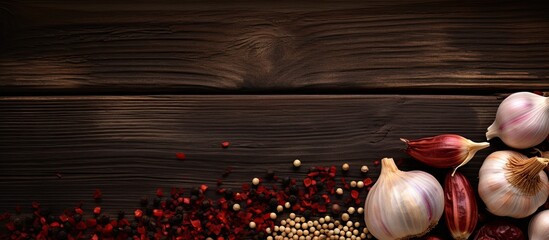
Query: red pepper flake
x=376 y=162
x=108 y=228
x=159 y=192
x=354 y=194
x=180 y=156
x=138 y=213
x=97 y=210
x=158 y=212
x=78 y=211
x=54 y=224
x=58 y=175
x=97 y=195
x=196 y=224
x=307 y=182
x=203 y=188
x=225 y=144
x=367 y=182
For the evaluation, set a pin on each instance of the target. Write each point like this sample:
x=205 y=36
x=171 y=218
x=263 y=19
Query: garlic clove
x=522 y=120
x=444 y=151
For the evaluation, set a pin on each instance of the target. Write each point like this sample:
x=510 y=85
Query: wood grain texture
x=134 y=47
x=126 y=146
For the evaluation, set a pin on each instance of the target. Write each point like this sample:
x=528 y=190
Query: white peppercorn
x=297 y=163
x=236 y=207
x=255 y=181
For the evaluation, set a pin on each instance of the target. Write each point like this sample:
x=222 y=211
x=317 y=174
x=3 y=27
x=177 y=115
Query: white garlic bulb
x=522 y=120
x=513 y=185
x=538 y=229
x=403 y=204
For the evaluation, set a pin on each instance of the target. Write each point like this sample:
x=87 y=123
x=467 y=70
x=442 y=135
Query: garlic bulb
x=522 y=120
x=403 y=204
x=538 y=229
x=511 y=184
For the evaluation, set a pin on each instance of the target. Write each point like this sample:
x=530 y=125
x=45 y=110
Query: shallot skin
x=460 y=206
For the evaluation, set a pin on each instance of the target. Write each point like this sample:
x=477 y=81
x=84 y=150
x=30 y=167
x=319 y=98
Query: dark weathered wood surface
x=126 y=145
x=134 y=47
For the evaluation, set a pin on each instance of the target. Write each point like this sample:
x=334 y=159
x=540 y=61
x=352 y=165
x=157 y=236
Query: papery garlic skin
x=522 y=120
x=403 y=204
x=538 y=229
x=503 y=198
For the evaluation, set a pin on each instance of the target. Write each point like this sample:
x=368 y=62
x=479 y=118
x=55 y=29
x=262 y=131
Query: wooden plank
x=126 y=146
x=129 y=47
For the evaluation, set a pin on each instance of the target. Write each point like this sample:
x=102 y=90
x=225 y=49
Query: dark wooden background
x=104 y=93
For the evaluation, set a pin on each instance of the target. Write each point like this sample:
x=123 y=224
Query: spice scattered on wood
x=297 y=163
x=345 y=167
x=225 y=144
x=180 y=156
x=247 y=212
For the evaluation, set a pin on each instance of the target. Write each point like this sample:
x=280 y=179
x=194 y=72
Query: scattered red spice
x=159 y=192
x=225 y=144
x=58 y=175
x=97 y=210
x=180 y=216
x=367 y=182
x=180 y=156
x=138 y=213
x=97 y=194
x=376 y=163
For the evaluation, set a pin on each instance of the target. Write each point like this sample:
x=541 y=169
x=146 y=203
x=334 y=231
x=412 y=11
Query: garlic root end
x=491 y=132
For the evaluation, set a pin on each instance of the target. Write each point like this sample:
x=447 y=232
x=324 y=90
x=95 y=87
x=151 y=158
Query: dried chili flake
x=97 y=210
x=203 y=188
x=180 y=156
x=158 y=213
x=307 y=182
x=79 y=211
x=97 y=194
x=159 y=192
x=367 y=182
x=58 y=175
x=354 y=194
x=225 y=144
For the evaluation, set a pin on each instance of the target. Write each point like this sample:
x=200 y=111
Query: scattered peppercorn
x=345 y=167
x=255 y=181
x=297 y=163
x=364 y=169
